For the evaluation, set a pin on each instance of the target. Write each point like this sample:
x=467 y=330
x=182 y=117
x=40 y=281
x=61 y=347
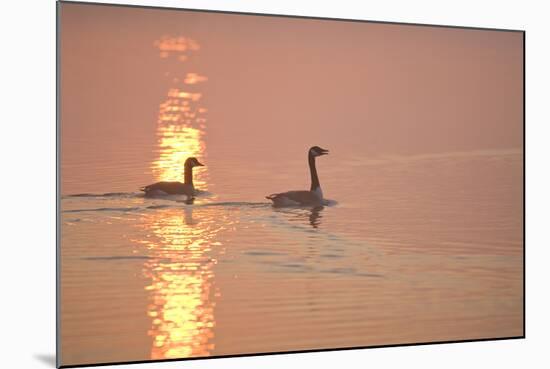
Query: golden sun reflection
x=181 y=120
x=193 y=78
x=180 y=267
x=177 y=45
x=181 y=272
x=177 y=143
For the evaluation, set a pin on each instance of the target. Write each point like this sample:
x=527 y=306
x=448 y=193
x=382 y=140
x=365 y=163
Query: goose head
x=193 y=162
x=317 y=151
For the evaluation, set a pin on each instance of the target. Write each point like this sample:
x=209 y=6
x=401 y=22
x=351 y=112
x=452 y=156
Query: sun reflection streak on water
x=181 y=288
x=181 y=120
x=178 y=46
x=177 y=143
x=181 y=270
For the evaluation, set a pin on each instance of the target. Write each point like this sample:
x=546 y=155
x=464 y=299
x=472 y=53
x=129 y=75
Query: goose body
x=313 y=197
x=169 y=188
x=175 y=188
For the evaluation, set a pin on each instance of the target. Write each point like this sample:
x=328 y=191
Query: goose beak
x=199 y=164
x=324 y=152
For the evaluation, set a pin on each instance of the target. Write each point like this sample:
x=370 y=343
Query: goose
x=313 y=197
x=176 y=188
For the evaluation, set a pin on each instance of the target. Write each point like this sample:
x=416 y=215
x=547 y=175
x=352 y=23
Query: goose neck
x=313 y=171
x=188 y=175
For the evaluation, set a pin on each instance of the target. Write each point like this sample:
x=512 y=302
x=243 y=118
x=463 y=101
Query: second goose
x=313 y=197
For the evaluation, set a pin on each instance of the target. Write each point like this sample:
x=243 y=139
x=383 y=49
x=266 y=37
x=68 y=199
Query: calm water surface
x=416 y=247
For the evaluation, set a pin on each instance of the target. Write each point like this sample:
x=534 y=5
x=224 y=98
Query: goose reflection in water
x=315 y=216
x=309 y=216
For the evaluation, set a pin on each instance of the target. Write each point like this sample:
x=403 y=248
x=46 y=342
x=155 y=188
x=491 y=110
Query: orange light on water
x=181 y=266
x=174 y=92
x=180 y=270
x=194 y=78
x=176 y=44
x=175 y=144
x=180 y=132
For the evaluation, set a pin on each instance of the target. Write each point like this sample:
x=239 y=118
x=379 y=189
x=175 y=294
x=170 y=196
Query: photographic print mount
x=193 y=267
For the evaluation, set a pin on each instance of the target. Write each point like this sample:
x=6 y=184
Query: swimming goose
x=176 y=188
x=313 y=197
